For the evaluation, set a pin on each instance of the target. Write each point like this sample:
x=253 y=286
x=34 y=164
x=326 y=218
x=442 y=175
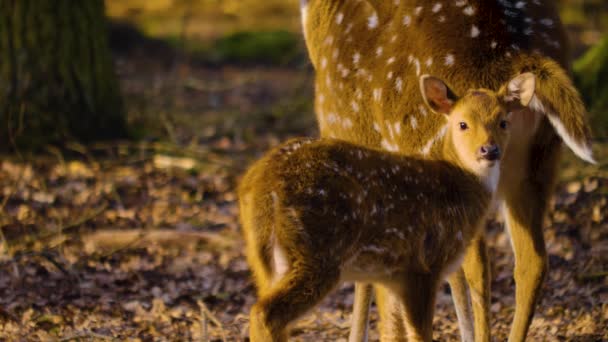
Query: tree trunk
x=57 y=81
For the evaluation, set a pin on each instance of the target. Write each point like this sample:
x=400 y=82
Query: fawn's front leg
x=360 y=318
x=391 y=323
x=460 y=297
x=476 y=267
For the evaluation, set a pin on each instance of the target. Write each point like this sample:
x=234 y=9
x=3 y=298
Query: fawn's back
x=361 y=209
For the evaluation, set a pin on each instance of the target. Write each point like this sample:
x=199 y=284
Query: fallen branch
x=119 y=239
x=87 y=335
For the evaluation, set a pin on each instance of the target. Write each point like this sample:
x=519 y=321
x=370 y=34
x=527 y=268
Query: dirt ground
x=140 y=241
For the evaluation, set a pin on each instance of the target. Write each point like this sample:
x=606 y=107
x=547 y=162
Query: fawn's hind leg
x=299 y=290
x=418 y=293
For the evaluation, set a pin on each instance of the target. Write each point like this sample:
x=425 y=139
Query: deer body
x=338 y=212
x=317 y=212
x=368 y=55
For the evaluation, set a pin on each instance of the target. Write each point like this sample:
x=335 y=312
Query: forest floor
x=140 y=241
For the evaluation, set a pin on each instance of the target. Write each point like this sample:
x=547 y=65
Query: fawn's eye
x=503 y=124
x=464 y=126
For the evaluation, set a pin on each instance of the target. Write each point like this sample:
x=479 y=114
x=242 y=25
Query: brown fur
x=317 y=212
x=367 y=82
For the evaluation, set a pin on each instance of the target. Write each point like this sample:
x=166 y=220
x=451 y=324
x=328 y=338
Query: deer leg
x=360 y=318
x=299 y=290
x=462 y=303
x=391 y=324
x=476 y=267
x=418 y=302
x=524 y=224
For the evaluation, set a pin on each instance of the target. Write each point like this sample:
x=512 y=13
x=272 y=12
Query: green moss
x=591 y=77
x=272 y=47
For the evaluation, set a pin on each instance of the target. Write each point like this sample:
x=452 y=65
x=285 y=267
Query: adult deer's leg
x=391 y=324
x=524 y=208
x=476 y=267
x=360 y=318
x=460 y=297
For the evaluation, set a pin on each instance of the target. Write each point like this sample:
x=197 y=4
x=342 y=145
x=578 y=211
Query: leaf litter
x=140 y=241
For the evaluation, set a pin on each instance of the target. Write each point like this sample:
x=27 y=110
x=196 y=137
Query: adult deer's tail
x=558 y=99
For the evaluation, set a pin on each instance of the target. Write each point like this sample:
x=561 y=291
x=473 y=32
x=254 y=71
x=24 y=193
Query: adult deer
x=318 y=212
x=368 y=55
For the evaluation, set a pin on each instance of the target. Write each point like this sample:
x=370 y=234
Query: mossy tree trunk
x=57 y=81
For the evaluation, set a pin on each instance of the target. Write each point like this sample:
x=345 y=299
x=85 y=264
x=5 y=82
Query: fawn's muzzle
x=489 y=152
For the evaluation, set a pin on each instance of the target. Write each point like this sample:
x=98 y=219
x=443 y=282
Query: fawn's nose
x=489 y=152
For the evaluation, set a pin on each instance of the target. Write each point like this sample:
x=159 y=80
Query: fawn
x=318 y=212
x=368 y=56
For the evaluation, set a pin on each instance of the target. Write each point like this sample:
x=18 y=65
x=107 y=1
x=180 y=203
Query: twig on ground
x=212 y=318
x=204 y=332
x=88 y=334
x=592 y=276
x=119 y=239
x=48 y=256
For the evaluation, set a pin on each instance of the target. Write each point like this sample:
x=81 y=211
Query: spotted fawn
x=318 y=212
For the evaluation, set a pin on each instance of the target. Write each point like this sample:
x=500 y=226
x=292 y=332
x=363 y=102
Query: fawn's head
x=478 y=122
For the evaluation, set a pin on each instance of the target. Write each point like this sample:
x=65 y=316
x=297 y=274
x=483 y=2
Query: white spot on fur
x=377 y=94
x=347 y=123
x=372 y=21
x=413 y=122
x=339 y=18
x=427 y=148
x=323 y=62
x=475 y=31
x=407 y=20
x=449 y=59
x=547 y=22
x=418 y=10
x=376 y=127
x=437 y=7
x=469 y=10
x=389 y=147
x=399 y=84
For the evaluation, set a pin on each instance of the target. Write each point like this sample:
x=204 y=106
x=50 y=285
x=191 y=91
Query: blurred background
x=124 y=133
x=264 y=40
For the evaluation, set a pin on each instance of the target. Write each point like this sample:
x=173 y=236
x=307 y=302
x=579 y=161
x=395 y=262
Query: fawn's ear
x=521 y=88
x=437 y=95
